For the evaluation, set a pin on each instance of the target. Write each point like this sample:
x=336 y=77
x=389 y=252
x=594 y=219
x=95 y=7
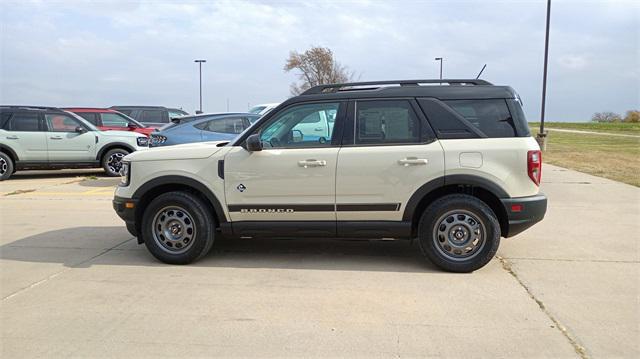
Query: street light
x=200 y=65
x=542 y=135
x=439 y=59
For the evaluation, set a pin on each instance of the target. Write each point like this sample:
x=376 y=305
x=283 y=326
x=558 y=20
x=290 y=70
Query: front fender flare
x=184 y=181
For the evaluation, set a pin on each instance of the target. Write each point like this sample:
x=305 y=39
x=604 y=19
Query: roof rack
x=32 y=107
x=374 y=85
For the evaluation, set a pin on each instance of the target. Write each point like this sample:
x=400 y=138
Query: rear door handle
x=56 y=138
x=413 y=161
x=12 y=137
x=312 y=163
x=318 y=128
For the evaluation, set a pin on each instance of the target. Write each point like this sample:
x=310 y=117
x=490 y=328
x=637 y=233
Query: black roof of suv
x=434 y=97
x=445 y=89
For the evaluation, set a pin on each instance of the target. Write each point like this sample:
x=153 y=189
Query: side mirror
x=254 y=143
x=81 y=129
x=131 y=125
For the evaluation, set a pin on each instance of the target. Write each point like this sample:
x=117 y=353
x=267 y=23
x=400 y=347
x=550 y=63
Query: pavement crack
x=19 y=191
x=579 y=349
x=56 y=274
x=572 y=260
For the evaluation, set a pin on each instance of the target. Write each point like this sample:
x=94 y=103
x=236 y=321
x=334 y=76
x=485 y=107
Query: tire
x=112 y=161
x=459 y=233
x=178 y=228
x=6 y=166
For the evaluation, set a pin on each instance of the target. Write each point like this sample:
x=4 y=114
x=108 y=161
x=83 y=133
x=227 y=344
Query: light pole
x=439 y=59
x=200 y=65
x=542 y=136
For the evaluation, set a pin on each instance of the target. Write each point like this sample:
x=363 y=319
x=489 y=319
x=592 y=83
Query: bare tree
x=632 y=116
x=316 y=66
x=606 y=117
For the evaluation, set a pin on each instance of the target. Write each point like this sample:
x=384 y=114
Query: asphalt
x=74 y=283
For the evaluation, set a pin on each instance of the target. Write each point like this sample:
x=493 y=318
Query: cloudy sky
x=101 y=53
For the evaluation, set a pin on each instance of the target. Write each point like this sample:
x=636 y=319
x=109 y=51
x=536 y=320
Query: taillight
x=534 y=166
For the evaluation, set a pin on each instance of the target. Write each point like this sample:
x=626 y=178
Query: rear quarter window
x=492 y=117
x=22 y=121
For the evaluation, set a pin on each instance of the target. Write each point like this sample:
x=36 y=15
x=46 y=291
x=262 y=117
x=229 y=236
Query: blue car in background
x=200 y=128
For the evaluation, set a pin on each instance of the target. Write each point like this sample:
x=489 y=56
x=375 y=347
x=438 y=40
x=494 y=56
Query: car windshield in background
x=173 y=113
x=257 y=109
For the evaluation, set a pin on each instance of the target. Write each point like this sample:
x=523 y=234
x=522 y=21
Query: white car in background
x=263 y=109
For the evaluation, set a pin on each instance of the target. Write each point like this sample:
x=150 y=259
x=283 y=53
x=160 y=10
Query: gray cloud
x=105 y=53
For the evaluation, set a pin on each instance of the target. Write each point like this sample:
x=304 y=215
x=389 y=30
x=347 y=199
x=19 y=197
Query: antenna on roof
x=480 y=73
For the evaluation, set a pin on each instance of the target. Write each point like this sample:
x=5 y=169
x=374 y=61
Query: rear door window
x=386 y=122
x=492 y=117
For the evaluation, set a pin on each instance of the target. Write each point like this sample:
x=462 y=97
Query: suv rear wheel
x=459 y=233
x=6 y=166
x=112 y=161
x=178 y=228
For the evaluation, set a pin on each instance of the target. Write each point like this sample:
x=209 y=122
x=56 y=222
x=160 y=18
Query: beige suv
x=452 y=165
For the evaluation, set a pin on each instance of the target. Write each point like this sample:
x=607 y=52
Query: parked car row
x=33 y=137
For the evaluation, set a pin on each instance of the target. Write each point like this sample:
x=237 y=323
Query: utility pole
x=200 y=65
x=542 y=136
x=439 y=59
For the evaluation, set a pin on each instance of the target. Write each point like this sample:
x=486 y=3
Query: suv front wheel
x=459 y=233
x=178 y=228
x=112 y=161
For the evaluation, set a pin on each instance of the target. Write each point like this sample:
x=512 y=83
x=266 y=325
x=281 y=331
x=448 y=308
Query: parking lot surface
x=75 y=283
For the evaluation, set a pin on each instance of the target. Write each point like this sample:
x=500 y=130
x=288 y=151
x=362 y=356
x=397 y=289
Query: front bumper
x=126 y=209
x=523 y=212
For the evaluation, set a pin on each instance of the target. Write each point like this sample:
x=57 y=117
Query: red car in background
x=107 y=119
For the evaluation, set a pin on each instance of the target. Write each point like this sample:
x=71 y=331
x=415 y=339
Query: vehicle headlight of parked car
x=143 y=141
x=125 y=173
x=158 y=139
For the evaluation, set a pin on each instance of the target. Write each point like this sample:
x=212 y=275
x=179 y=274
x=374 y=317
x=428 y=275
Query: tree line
x=632 y=116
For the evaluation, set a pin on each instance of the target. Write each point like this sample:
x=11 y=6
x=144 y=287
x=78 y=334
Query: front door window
x=301 y=126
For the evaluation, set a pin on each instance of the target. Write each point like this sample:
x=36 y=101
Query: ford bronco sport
x=50 y=138
x=450 y=163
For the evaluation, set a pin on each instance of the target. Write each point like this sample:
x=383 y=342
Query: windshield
x=174 y=112
x=257 y=109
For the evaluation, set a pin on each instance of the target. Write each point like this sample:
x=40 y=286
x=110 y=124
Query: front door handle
x=413 y=161
x=312 y=163
x=318 y=128
x=55 y=138
x=12 y=137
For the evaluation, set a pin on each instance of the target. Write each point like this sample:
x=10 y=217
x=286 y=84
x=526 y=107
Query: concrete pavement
x=75 y=284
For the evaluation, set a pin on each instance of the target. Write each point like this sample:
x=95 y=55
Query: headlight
x=143 y=141
x=125 y=173
x=157 y=139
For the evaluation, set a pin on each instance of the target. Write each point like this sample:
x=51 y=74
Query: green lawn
x=627 y=128
x=613 y=157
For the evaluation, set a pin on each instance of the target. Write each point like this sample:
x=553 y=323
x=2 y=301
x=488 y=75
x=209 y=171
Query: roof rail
x=338 y=87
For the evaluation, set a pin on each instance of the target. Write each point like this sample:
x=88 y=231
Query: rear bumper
x=523 y=212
